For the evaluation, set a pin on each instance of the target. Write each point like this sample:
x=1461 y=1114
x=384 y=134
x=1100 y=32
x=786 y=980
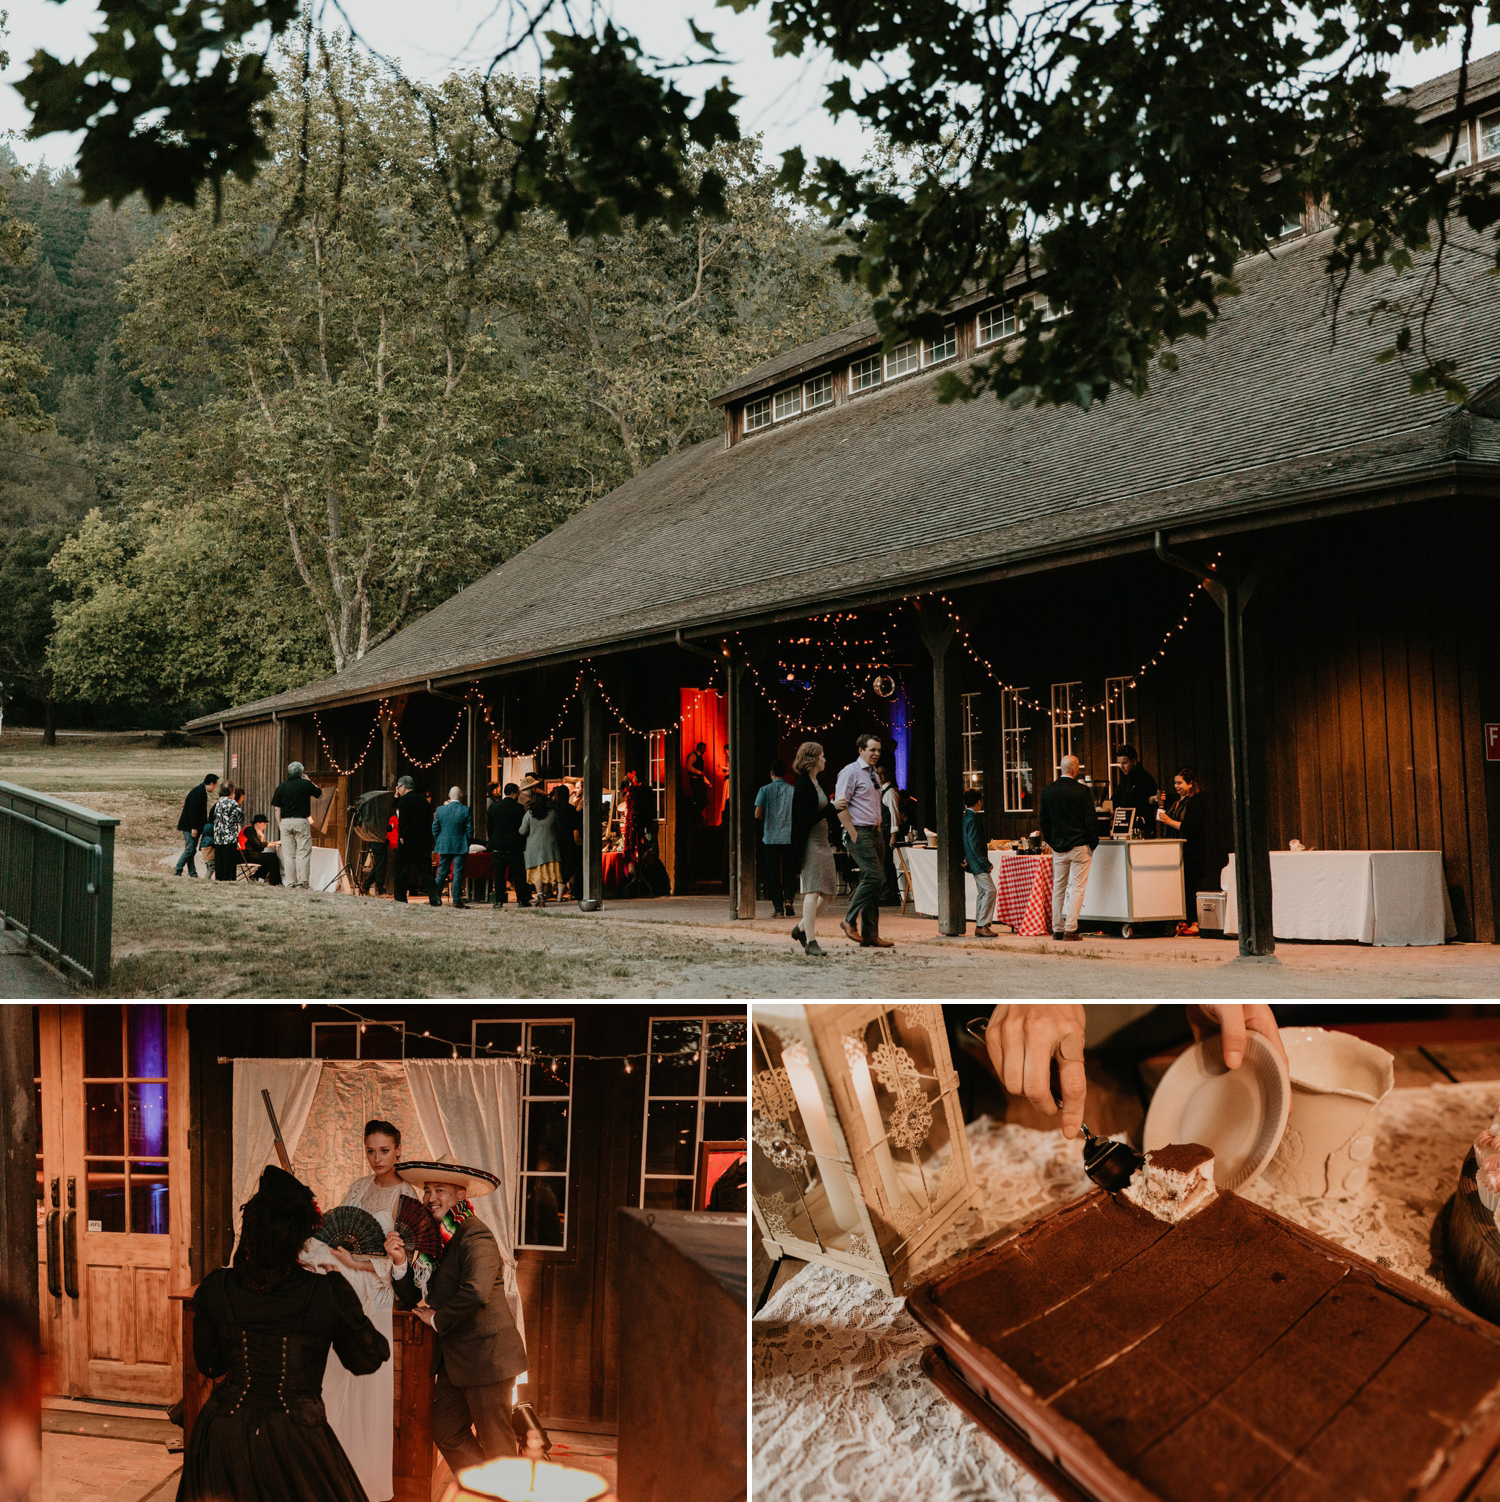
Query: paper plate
x=1239 y=1113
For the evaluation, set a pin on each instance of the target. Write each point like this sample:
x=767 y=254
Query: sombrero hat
x=447 y=1170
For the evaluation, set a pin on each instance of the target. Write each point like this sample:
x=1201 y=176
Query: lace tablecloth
x=840 y=1406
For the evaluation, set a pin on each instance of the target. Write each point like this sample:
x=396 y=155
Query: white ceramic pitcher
x=1338 y=1083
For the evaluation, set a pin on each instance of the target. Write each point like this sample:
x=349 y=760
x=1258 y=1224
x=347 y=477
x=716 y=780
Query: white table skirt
x=1381 y=897
x=921 y=861
x=324 y=868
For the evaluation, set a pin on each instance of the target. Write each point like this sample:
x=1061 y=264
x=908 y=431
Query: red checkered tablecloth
x=1024 y=890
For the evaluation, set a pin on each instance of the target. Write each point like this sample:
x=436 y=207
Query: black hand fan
x=416 y=1227
x=353 y=1229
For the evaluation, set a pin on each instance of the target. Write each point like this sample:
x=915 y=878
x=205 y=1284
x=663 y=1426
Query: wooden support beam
x=18 y=1240
x=940 y=637
x=1232 y=582
x=742 y=782
x=593 y=794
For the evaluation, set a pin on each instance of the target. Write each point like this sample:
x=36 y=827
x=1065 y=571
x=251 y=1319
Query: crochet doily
x=840 y=1406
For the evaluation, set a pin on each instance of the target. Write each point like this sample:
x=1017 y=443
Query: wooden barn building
x=993 y=588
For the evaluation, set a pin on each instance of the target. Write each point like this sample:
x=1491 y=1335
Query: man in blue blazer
x=452 y=834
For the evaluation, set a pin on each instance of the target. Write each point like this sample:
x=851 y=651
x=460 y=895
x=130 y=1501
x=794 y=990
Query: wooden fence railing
x=57 y=879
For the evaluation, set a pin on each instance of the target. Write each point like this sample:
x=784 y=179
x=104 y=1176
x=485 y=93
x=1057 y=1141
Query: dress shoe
x=815 y=949
x=850 y=931
x=985 y=933
x=1057 y=934
x=876 y=942
x=459 y=902
x=1073 y=938
x=799 y=936
x=435 y=902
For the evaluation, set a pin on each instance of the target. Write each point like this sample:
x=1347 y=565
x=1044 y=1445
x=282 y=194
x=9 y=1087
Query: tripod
x=347 y=869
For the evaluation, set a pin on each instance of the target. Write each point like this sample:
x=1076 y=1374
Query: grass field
x=176 y=937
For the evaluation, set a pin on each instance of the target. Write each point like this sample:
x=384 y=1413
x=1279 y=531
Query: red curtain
x=705 y=717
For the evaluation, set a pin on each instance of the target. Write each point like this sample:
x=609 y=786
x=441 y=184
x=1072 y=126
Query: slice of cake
x=1174 y=1182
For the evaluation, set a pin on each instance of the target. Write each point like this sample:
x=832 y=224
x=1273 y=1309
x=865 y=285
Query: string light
x=442 y=750
x=328 y=750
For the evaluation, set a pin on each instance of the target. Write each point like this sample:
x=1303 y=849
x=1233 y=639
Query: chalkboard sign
x=1123 y=827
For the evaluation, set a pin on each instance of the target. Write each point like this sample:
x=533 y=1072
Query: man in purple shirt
x=856 y=796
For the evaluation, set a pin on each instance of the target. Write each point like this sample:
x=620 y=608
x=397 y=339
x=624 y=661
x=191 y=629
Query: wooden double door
x=112 y=1203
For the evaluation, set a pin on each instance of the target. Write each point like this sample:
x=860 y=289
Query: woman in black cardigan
x=814 y=828
x=1189 y=819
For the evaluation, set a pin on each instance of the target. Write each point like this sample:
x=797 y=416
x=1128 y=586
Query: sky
x=782 y=97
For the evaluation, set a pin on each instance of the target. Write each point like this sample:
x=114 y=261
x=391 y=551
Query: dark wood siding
x=251 y=762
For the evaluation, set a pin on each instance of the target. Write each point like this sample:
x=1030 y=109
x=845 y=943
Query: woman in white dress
x=360 y=1409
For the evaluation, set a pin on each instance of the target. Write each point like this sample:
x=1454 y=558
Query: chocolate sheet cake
x=1231 y=1355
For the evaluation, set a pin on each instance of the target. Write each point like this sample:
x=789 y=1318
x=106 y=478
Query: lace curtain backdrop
x=840 y=1407
x=331 y=1153
x=472 y=1109
x=293 y=1084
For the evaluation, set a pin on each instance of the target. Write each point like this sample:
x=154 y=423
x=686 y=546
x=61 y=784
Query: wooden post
x=742 y=781
x=411 y=1457
x=593 y=793
x=940 y=637
x=279 y=770
x=1232 y=584
x=18 y=1271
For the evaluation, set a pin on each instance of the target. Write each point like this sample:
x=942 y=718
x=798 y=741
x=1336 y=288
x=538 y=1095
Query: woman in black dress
x=1188 y=819
x=265 y=1326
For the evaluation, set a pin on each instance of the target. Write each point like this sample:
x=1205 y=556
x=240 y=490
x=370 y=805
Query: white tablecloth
x=921 y=861
x=324 y=869
x=1384 y=897
x=841 y=1410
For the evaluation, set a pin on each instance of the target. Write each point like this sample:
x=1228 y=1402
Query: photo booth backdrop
x=470 y=1109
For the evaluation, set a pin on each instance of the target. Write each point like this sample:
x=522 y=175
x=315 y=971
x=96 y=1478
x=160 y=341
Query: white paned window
x=758 y=414
x=864 y=373
x=1067 y=723
x=973 y=770
x=902 y=360
x=569 y=756
x=695 y=1092
x=614 y=773
x=656 y=753
x=1489 y=135
x=1119 y=713
x=546 y=1122
x=818 y=392
x=1437 y=145
x=1015 y=737
x=787 y=403
x=996 y=323
x=944 y=348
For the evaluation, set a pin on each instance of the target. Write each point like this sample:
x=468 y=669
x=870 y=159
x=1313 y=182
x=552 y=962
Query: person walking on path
x=542 y=834
x=229 y=819
x=1071 y=828
x=452 y=834
x=414 y=843
x=977 y=863
x=773 y=809
x=856 y=795
x=479 y=1352
x=814 y=820
x=294 y=798
x=507 y=848
x=193 y=820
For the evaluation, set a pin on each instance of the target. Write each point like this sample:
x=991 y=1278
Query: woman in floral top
x=229 y=819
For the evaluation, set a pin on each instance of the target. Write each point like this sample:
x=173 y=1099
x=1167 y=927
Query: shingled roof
x=892 y=492
x=1438 y=95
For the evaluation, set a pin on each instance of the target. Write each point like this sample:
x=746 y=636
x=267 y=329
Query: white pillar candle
x=864 y=1092
x=820 y=1136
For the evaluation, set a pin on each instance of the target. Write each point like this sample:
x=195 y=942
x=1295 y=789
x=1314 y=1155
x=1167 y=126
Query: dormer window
x=864 y=374
x=996 y=323
x=902 y=360
x=944 y=348
x=758 y=414
x=1437 y=144
x=1489 y=135
x=818 y=392
x=786 y=403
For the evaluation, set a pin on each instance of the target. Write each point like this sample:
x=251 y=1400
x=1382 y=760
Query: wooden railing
x=57 y=879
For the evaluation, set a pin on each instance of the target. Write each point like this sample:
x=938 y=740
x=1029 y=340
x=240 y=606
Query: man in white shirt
x=856 y=795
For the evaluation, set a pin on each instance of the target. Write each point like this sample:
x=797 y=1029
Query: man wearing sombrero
x=479 y=1352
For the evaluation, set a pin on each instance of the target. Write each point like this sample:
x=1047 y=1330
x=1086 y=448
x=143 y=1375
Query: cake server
x=1111 y=1165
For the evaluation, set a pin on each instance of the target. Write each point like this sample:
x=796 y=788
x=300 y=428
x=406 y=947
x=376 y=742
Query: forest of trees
x=242 y=451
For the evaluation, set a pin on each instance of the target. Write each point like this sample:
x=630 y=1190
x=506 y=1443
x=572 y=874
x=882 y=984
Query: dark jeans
x=868 y=853
x=454 y=865
x=511 y=869
x=414 y=874
x=781 y=880
x=457 y=1412
x=189 y=848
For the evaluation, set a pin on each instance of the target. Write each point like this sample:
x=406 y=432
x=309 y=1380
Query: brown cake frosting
x=1225 y=1356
